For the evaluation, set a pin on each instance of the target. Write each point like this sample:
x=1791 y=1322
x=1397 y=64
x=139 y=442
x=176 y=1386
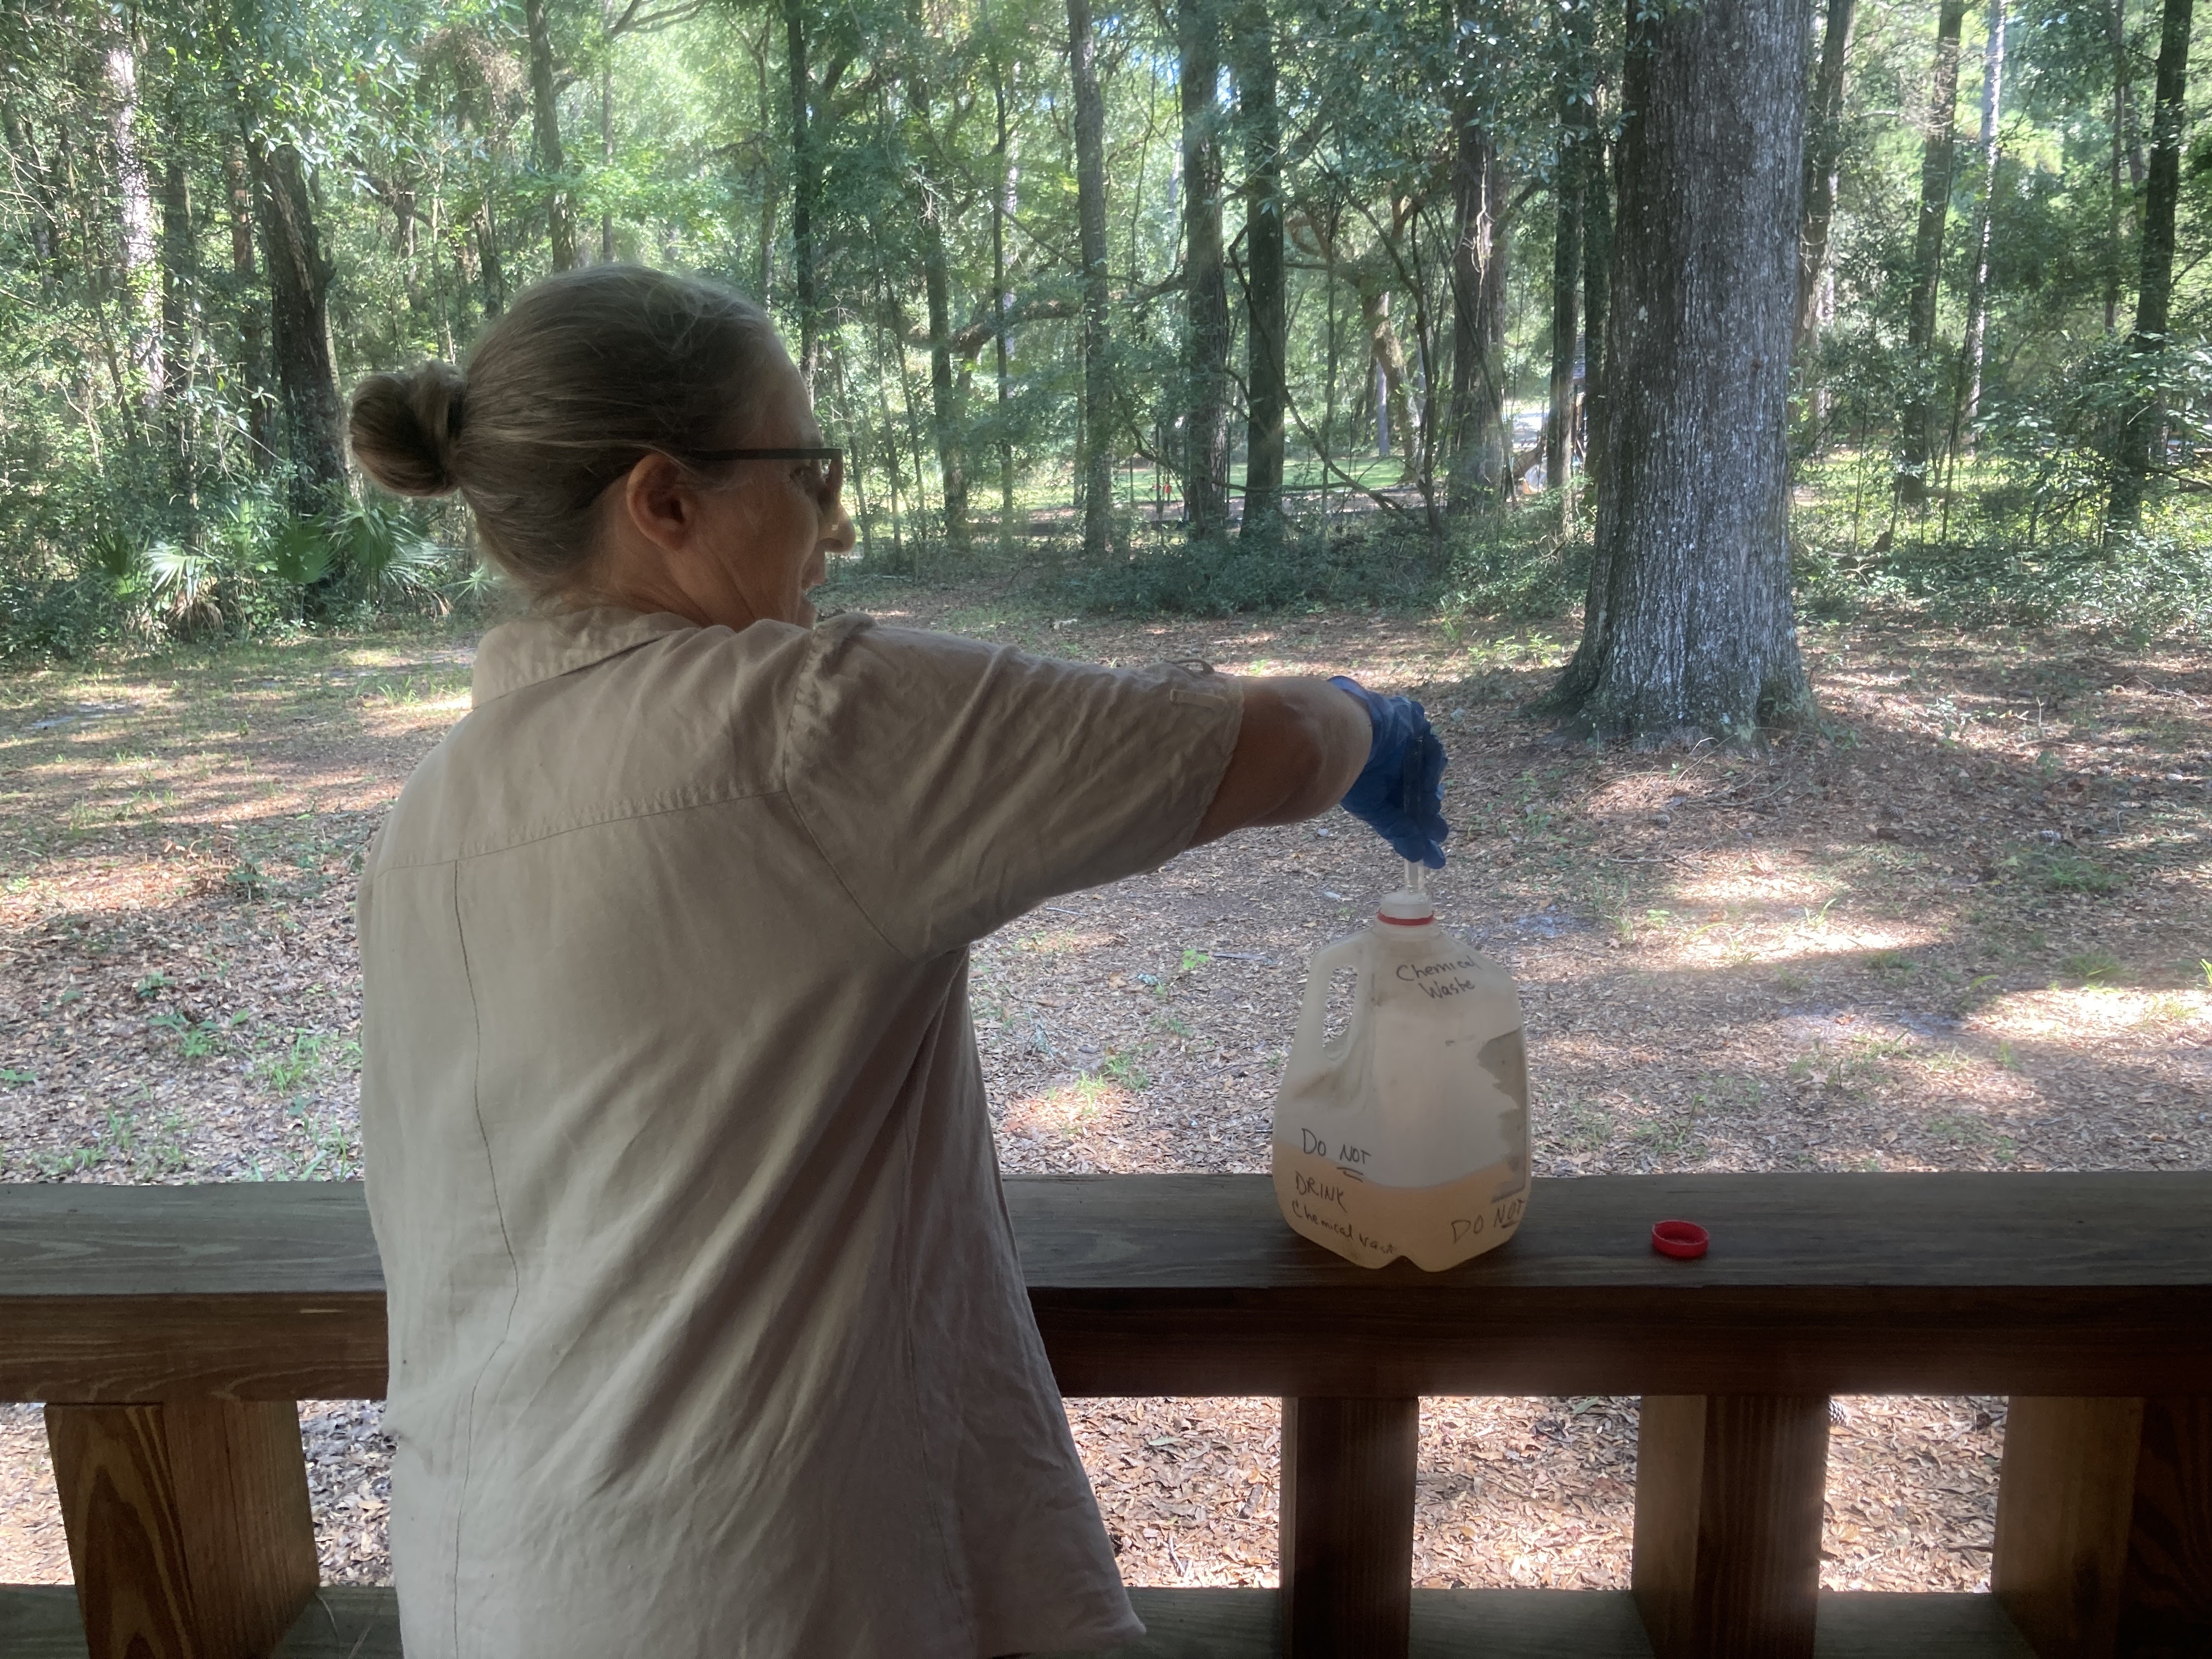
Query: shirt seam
x=514 y=1268
x=804 y=692
x=627 y=813
x=571 y=668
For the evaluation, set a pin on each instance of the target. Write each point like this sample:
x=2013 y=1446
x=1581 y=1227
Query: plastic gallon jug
x=1409 y=1134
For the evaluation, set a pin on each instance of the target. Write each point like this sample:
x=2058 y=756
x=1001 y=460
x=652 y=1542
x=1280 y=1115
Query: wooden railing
x=172 y=1328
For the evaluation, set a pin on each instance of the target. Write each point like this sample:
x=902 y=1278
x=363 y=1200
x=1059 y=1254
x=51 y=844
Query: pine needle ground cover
x=1957 y=923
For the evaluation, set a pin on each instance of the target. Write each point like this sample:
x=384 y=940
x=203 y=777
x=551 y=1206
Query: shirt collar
x=518 y=654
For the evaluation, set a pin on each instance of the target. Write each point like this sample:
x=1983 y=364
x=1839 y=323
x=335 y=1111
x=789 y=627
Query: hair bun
x=405 y=428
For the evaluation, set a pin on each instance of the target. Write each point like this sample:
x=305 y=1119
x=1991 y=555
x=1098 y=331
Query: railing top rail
x=2082 y=1283
x=1168 y=1232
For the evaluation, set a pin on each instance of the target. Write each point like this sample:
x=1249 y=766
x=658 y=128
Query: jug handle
x=1311 y=1060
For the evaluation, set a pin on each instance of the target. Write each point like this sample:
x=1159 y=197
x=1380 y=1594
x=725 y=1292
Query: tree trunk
x=1688 y=632
x=1002 y=208
x=298 y=289
x=38 y=197
x=1096 y=409
x=1205 y=289
x=2141 y=443
x=1919 y=434
x=607 y=152
x=1977 y=287
x=492 y=272
x=1597 y=302
x=805 y=192
x=1266 y=381
x=1578 y=116
x=545 y=131
x=943 y=395
x=1481 y=461
x=2118 y=185
x=1387 y=355
x=1824 y=150
x=141 y=282
x=252 y=325
x=179 y=277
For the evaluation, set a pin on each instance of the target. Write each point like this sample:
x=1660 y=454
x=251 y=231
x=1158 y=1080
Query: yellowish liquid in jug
x=1433 y=1227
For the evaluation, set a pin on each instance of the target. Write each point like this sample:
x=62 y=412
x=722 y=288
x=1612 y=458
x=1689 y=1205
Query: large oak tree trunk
x=1267 y=385
x=299 y=289
x=2141 y=442
x=1919 y=434
x=1091 y=221
x=545 y=132
x=1688 y=632
x=1205 y=289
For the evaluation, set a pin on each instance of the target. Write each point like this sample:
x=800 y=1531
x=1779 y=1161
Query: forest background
x=1241 y=304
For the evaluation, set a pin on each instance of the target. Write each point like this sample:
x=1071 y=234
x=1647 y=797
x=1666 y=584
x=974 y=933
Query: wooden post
x=1348 y=1526
x=2104 y=1537
x=189 y=1529
x=1729 y=1493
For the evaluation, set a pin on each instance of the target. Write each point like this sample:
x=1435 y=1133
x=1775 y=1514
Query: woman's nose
x=840 y=536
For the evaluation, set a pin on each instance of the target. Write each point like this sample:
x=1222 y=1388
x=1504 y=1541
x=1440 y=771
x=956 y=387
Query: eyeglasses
x=829 y=467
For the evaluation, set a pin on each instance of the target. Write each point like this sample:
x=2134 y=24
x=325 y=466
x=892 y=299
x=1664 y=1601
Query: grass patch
x=2062 y=870
x=2091 y=967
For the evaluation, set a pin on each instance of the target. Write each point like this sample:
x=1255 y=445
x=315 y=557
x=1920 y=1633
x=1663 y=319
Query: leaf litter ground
x=1957 y=925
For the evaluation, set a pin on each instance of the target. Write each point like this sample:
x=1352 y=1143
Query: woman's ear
x=661 y=504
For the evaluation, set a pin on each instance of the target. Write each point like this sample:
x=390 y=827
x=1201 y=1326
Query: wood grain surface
x=1728 y=1492
x=1233 y=1624
x=254 y=1290
x=188 y=1527
x=2092 y=1284
x=1815 y=1283
x=1348 y=1526
x=126 y=1550
x=2166 y=1594
x=2065 y=1498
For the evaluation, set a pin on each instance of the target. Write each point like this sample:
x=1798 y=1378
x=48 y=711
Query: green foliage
x=384 y=558
x=1365 y=567
x=145 y=487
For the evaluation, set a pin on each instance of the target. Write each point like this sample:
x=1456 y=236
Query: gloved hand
x=1399 y=794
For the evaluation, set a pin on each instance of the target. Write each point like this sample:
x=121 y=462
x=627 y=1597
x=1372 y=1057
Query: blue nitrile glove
x=1399 y=794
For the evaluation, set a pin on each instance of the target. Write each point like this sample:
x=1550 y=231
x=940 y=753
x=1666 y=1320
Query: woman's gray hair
x=589 y=371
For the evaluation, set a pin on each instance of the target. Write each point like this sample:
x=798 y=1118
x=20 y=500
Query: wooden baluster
x=188 y=1529
x=2104 y=1538
x=1729 y=1495
x=1346 y=1517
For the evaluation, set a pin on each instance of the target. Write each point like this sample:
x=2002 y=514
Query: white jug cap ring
x=1407 y=909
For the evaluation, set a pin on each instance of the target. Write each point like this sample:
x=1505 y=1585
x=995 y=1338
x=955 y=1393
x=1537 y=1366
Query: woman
x=708 y=1336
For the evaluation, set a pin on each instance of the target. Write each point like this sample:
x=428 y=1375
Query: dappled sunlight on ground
x=1956 y=923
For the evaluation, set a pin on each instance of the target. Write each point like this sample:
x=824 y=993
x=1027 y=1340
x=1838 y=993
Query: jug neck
x=1408 y=910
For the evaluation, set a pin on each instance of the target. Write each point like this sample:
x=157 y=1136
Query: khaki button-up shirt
x=708 y=1335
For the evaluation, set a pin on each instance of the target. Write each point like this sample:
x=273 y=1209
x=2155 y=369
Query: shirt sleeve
x=952 y=785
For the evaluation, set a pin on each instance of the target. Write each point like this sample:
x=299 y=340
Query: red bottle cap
x=1684 y=1241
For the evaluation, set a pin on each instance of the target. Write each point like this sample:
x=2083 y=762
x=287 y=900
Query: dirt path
x=1960 y=925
